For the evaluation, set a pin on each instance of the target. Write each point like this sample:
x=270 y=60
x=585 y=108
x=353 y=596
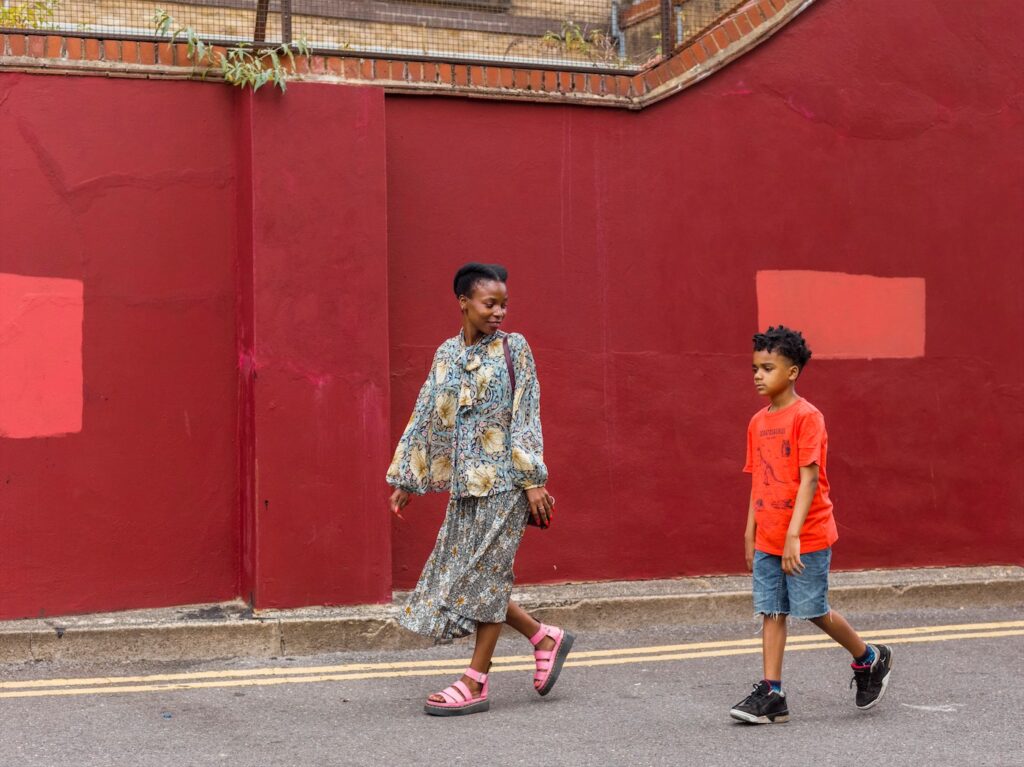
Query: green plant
x=603 y=47
x=34 y=15
x=574 y=39
x=570 y=40
x=241 y=65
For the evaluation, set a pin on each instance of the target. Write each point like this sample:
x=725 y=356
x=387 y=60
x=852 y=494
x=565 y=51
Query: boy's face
x=773 y=373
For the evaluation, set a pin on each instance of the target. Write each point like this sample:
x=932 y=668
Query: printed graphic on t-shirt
x=778 y=445
x=770 y=478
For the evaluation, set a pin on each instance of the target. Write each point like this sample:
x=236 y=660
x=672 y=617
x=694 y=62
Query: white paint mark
x=946 y=709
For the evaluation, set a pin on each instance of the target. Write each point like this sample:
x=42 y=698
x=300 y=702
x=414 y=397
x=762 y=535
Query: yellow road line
x=800 y=638
x=818 y=644
x=455 y=663
x=753 y=642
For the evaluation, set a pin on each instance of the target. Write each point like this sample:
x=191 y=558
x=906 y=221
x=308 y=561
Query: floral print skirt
x=468 y=577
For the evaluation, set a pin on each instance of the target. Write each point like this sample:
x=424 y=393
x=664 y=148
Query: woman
x=475 y=432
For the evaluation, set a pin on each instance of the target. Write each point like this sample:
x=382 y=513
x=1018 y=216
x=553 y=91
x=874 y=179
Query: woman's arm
x=527 y=437
x=528 y=467
x=409 y=471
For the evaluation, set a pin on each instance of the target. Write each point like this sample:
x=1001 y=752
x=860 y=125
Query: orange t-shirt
x=778 y=444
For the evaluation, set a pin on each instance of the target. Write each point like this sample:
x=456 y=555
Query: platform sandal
x=459 y=699
x=549 y=662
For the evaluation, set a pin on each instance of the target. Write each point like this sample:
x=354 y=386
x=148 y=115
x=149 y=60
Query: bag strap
x=508 y=363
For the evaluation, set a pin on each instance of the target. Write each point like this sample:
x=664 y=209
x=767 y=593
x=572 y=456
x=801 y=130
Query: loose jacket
x=469 y=433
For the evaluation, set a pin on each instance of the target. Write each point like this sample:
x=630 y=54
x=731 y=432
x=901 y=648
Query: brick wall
x=447 y=31
x=575 y=82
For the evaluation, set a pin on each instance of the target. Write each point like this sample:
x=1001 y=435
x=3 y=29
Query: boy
x=790 y=529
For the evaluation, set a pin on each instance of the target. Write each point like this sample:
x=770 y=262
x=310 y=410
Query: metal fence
x=579 y=34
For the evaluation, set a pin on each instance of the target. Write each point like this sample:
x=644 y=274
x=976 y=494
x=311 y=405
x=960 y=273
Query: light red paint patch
x=40 y=356
x=846 y=316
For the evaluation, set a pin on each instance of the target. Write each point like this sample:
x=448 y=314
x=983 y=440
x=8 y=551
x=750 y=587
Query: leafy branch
x=573 y=39
x=35 y=15
x=241 y=65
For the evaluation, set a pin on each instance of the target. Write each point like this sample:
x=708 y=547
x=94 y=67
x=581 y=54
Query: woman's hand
x=748 y=549
x=540 y=505
x=398 y=501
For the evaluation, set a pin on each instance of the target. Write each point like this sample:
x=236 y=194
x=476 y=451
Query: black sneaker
x=762 y=706
x=872 y=680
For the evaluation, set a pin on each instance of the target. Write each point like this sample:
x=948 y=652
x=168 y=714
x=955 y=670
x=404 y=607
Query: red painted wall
x=871 y=138
x=265 y=279
x=233 y=382
x=127 y=187
x=321 y=346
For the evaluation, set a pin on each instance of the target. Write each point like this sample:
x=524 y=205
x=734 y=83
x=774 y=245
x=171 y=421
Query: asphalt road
x=955 y=699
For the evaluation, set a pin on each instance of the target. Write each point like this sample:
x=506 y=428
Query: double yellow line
x=263 y=677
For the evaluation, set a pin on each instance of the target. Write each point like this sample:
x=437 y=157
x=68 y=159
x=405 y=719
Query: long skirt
x=468 y=578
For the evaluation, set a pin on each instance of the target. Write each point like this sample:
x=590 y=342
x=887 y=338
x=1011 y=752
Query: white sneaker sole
x=743 y=716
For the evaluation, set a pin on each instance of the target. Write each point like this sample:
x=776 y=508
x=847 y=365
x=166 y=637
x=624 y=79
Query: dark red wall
x=129 y=187
x=265 y=280
x=870 y=138
x=321 y=346
x=232 y=253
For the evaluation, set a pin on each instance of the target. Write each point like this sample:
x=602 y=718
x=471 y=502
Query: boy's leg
x=836 y=626
x=773 y=645
x=809 y=597
x=767 y=704
x=871 y=665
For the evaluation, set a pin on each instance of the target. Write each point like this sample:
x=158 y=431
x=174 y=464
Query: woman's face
x=485 y=308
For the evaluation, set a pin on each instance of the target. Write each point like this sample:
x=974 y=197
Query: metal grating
x=569 y=34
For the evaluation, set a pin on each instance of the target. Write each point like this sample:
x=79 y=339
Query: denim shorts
x=802 y=596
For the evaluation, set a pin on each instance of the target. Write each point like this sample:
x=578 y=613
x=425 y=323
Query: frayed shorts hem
x=803 y=596
x=761 y=614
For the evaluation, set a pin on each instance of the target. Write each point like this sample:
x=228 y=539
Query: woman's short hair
x=470 y=274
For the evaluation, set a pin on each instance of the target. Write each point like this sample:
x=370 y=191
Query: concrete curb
x=206 y=632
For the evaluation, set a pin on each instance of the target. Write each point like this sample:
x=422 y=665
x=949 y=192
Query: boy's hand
x=398 y=501
x=791 y=564
x=748 y=549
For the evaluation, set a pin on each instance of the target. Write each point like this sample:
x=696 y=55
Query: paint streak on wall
x=40 y=356
x=846 y=316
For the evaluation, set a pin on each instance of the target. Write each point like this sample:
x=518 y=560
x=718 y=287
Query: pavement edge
x=228 y=630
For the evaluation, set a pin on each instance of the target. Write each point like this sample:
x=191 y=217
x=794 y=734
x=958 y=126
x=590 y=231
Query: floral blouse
x=469 y=433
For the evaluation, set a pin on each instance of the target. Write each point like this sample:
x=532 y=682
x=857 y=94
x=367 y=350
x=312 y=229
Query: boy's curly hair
x=785 y=341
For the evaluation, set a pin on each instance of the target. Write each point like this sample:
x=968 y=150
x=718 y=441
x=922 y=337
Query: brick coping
x=731 y=37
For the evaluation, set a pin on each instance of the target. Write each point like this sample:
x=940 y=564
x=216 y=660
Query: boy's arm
x=791 y=563
x=750 y=534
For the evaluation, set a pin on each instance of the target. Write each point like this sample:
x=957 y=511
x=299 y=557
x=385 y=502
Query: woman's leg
x=526 y=624
x=486 y=640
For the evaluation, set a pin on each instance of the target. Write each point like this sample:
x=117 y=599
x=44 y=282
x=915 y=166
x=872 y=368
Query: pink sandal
x=549 y=662
x=459 y=700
